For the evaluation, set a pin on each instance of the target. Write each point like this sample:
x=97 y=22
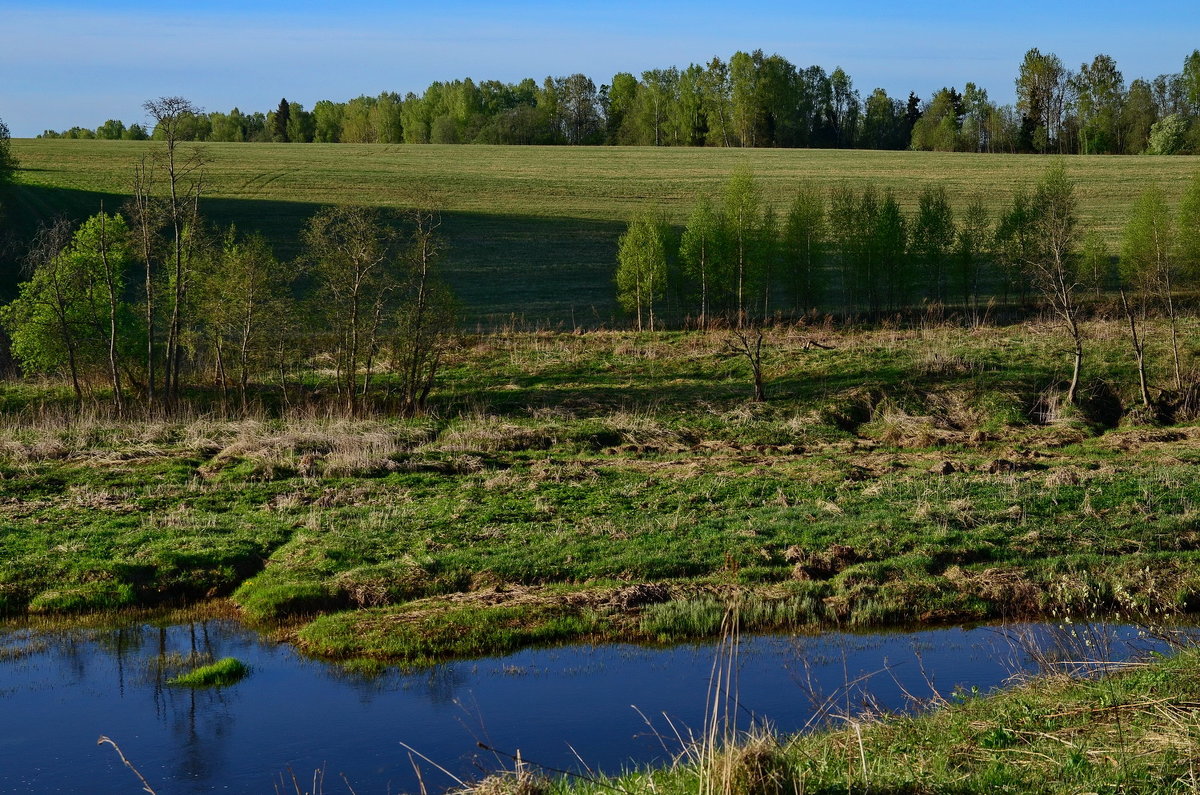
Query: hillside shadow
x=504 y=269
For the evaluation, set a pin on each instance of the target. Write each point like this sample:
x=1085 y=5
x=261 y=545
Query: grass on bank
x=1137 y=731
x=902 y=475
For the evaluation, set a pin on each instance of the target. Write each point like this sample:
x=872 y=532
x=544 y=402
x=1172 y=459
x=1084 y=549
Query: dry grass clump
x=521 y=781
x=385 y=584
x=1008 y=588
x=1063 y=476
x=894 y=426
x=809 y=564
x=338 y=448
x=755 y=765
x=489 y=434
x=644 y=429
x=935 y=362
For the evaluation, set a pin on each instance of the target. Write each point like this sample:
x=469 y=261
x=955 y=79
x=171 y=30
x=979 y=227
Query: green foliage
x=642 y=266
x=244 y=301
x=63 y=316
x=892 y=284
x=222 y=673
x=700 y=254
x=972 y=252
x=1148 y=246
x=8 y=161
x=938 y=128
x=1169 y=136
x=1188 y=228
x=743 y=214
x=805 y=242
x=933 y=239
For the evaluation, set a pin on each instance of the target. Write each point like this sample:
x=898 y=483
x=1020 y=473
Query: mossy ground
x=901 y=476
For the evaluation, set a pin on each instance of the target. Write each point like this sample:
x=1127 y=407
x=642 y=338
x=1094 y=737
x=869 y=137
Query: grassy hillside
x=533 y=229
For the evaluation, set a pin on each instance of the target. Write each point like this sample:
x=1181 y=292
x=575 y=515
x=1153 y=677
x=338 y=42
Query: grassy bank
x=616 y=485
x=1134 y=732
x=533 y=230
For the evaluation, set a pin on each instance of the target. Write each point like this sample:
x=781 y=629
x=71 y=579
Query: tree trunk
x=1170 y=301
x=110 y=283
x=142 y=202
x=1077 y=339
x=221 y=379
x=1139 y=353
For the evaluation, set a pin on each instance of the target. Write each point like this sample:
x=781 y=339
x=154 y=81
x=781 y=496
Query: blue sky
x=66 y=63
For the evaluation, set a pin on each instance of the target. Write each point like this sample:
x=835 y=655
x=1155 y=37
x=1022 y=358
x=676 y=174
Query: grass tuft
x=222 y=673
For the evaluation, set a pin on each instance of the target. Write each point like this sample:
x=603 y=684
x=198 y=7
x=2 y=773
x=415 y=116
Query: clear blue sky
x=64 y=63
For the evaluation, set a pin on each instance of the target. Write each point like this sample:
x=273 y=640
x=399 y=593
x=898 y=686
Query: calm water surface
x=296 y=714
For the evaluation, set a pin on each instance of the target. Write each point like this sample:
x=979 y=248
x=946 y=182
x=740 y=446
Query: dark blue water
x=296 y=714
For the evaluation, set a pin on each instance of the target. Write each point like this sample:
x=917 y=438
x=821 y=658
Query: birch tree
x=642 y=267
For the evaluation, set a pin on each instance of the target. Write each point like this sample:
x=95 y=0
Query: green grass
x=1133 y=732
x=421 y=638
x=558 y=469
x=533 y=230
x=222 y=673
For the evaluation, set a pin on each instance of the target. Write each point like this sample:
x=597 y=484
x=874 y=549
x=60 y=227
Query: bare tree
x=426 y=317
x=182 y=207
x=747 y=342
x=354 y=259
x=1050 y=263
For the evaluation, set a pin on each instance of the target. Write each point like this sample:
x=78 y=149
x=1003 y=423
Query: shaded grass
x=533 y=230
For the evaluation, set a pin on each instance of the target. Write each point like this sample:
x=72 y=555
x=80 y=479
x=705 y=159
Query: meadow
x=532 y=231
x=610 y=484
x=581 y=482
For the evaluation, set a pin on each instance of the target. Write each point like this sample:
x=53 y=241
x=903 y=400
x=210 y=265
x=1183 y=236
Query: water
x=296 y=714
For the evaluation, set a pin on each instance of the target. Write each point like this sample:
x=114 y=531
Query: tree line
x=738 y=263
x=149 y=304
x=751 y=100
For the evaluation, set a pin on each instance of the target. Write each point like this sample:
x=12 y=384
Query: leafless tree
x=1051 y=263
x=747 y=343
x=181 y=210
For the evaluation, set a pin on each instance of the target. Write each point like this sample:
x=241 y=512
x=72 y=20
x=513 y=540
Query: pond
x=606 y=707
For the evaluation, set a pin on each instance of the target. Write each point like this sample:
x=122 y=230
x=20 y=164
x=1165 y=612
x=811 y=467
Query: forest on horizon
x=751 y=100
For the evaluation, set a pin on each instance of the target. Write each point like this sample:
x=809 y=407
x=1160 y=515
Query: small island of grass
x=222 y=673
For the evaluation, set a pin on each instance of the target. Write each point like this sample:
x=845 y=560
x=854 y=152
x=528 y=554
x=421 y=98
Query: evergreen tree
x=279 y=124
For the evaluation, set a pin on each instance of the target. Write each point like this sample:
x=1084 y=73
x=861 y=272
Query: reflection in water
x=68 y=688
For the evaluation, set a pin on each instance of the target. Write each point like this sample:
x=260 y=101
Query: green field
x=533 y=230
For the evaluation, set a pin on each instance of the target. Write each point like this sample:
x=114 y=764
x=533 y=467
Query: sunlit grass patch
x=222 y=673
